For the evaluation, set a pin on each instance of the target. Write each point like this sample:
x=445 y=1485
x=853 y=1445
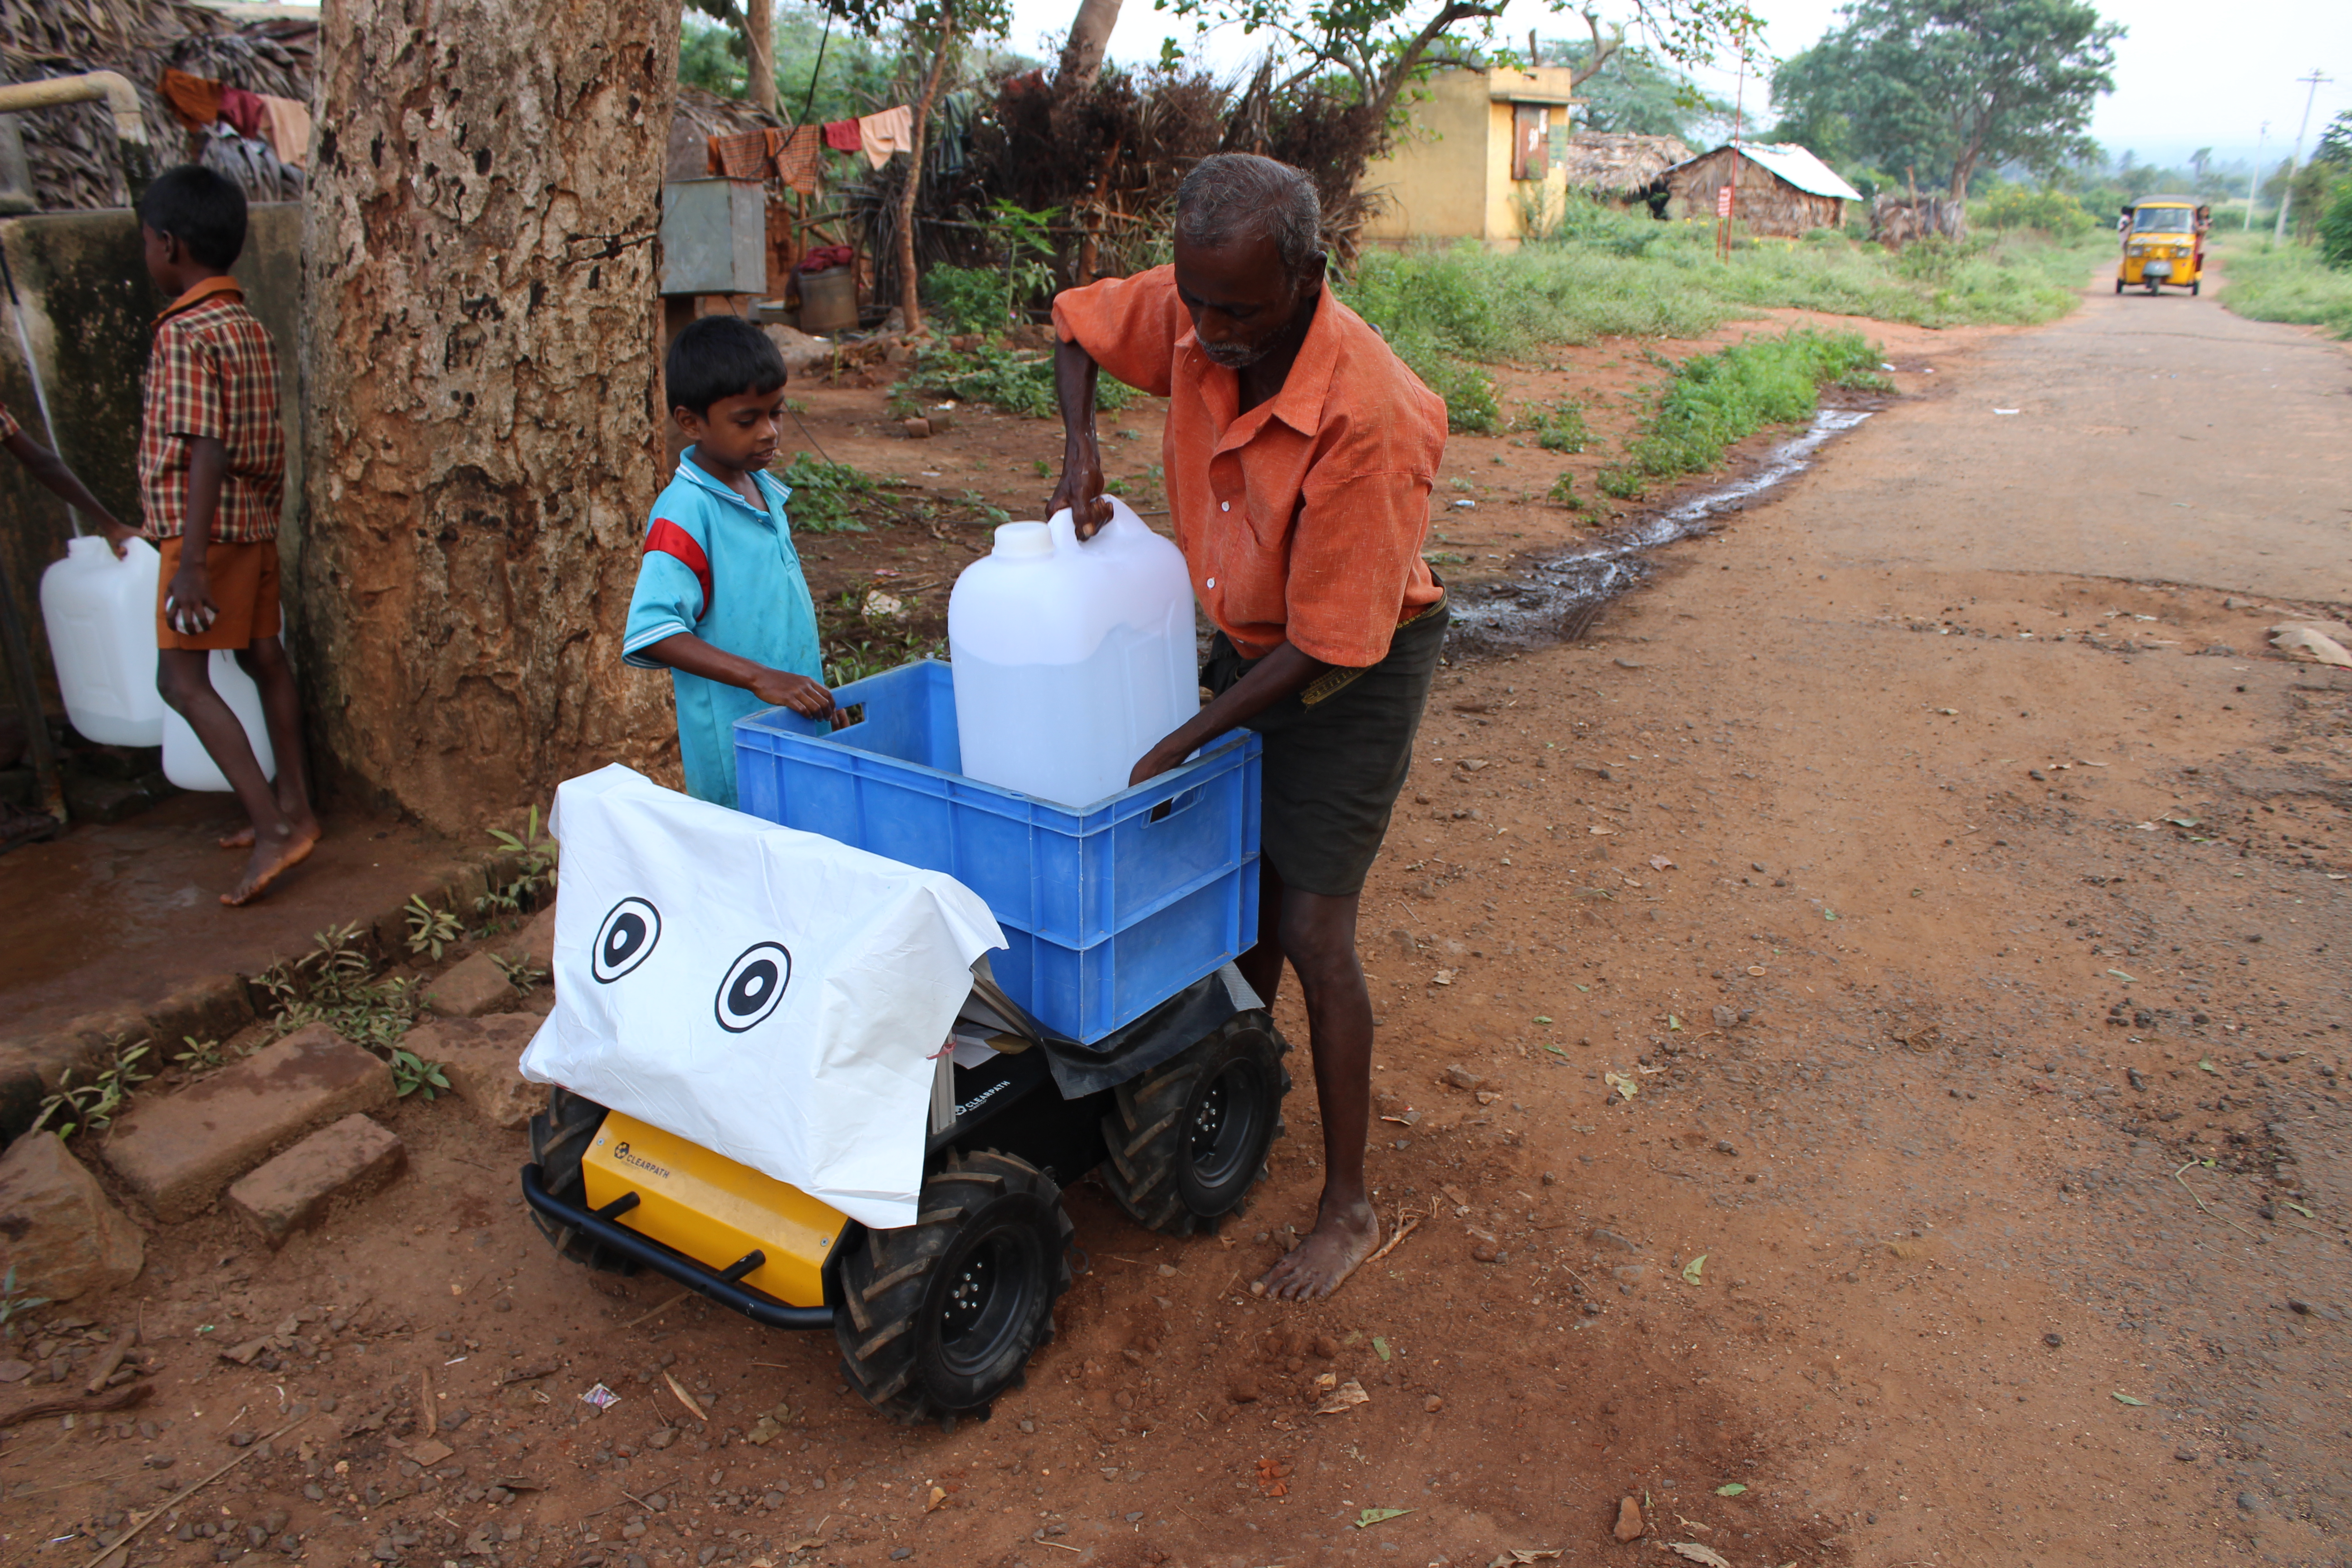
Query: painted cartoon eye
x=623 y=940
x=754 y=984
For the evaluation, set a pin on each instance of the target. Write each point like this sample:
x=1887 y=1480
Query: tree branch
x=1603 y=50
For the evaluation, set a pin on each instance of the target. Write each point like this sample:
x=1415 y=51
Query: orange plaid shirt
x=213 y=373
x=8 y=426
x=1302 y=520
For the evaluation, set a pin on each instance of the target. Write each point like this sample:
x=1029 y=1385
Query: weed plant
x=2265 y=283
x=825 y=496
x=1016 y=381
x=1719 y=398
x=1604 y=274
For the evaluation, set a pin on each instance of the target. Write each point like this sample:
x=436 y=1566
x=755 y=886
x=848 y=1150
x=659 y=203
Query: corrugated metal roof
x=1794 y=165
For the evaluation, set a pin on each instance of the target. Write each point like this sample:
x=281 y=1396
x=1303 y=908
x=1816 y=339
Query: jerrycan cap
x=1023 y=540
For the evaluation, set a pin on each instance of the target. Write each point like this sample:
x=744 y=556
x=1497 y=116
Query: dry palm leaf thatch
x=71 y=150
x=1619 y=167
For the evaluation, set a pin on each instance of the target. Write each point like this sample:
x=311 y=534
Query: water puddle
x=1555 y=597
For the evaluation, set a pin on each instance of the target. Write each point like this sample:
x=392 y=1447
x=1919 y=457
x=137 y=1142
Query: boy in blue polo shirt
x=720 y=601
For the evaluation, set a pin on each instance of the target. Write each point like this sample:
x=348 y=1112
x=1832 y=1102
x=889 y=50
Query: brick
x=178 y=1154
x=31 y=1065
x=479 y=1055
x=534 y=944
x=57 y=1229
x=210 y=1009
x=469 y=988
x=292 y=1192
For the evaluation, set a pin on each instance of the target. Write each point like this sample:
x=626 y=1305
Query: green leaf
x=2128 y=1399
x=2121 y=975
x=1382 y=1346
x=1673 y=1022
x=1556 y=1050
x=2298 y=1208
x=1829 y=914
x=1372 y=1516
x=2207 y=1063
x=1691 y=1270
x=1543 y=1017
x=1731 y=1488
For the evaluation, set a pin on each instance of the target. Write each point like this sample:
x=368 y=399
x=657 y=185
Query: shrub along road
x=1934 y=856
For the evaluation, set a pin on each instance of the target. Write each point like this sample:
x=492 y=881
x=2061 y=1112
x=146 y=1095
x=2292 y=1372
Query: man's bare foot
x=241 y=839
x=272 y=860
x=1342 y=1238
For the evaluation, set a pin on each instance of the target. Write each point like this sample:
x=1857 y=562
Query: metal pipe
x=121 y=98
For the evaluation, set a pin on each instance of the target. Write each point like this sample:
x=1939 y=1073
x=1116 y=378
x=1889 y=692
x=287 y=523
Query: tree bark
x=909 y=286
x=760 y=52
x=1082 y=56
x=479 y=359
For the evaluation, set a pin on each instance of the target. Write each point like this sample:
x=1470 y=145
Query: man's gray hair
x=1237 y=196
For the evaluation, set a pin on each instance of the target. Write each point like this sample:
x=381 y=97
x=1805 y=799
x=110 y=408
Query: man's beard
x=1234 y=357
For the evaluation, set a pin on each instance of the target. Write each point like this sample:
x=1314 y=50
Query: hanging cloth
x=742 y=157
x=892 y=130
x=798 y=154
x=286 y=128
x=194 y=99
x=841 y=136
x=245 y=112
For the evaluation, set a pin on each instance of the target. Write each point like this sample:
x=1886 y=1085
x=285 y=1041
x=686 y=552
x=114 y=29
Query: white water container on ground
x=1071 y=658
x=185 y=762
x=101 y=612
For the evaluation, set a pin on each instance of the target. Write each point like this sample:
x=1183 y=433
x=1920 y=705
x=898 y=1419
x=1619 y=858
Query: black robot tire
x=938 y=1318
x=1188 y=1138
x=560 y=1139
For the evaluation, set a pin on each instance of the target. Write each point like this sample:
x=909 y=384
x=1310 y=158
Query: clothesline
x=793 y=155
x=200 y=102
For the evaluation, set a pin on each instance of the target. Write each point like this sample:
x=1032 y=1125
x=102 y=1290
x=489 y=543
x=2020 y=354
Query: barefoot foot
x=272 y=857
x=241 y=839
x=1343 y=1237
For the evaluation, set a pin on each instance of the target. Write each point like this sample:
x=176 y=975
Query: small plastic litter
x=602 y=1398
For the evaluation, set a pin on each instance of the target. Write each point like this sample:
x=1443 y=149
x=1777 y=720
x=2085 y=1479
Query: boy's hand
x=188 y=607
x=116 y=535
x=797 y=692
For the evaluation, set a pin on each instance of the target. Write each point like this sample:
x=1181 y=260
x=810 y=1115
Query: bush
x=2288 y=283
x=967 y=299
x=2034 y=207
x=2335 y=226
x=1014 y=380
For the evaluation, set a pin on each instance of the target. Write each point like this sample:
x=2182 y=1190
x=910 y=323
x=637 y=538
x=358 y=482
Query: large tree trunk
x=909 y=286
x=480 y=360
x=1082 y=56
x=759 y=49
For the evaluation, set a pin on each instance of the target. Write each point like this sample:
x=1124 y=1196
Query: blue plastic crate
x=1110 y=908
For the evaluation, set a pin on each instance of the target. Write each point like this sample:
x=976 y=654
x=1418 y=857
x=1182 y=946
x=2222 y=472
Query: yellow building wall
x=1449 y=175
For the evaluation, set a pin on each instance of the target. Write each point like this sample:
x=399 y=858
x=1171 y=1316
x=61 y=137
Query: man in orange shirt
x=1300 y=454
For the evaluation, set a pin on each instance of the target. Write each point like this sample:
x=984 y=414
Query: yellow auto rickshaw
x=2163 y=242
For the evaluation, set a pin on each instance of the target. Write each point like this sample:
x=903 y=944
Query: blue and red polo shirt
x=726 y=571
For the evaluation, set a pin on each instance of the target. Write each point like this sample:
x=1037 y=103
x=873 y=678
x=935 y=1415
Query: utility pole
x=2253 y=182
x=2286 y=197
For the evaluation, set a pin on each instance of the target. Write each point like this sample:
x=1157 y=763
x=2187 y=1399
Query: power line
x=2286 y=197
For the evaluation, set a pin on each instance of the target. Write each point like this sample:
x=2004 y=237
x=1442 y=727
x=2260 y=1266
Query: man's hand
x=1158 y=761
x=1081 y=488
x=116 y=535
x=188 y=607
x=798 y=692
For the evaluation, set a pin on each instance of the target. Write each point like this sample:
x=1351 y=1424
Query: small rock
x=1461 y=1076
x=1602 y=1237
x=1433 y=1403
x=2185 y=1456
x=917 y=429
x=58 y=1230
x=900 y=1553
x=1726 y=1146
x=1242 y=1389
x=2301 y=1307
x=1482 y=1253
x=1326 y=1348
x=1726 y=1017
x=1628 y=664
x=1629 y=1521
x=2249 y=1503
x=291 y=1193
x=2053 y=1339
x=478 y=1057
x=470 y=987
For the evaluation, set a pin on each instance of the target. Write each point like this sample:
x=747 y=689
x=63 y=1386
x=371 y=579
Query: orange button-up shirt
x=1301 y=520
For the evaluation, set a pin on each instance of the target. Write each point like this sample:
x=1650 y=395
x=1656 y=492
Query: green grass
x=1012 y=380
x=2283 y=283
x=1446 y=311
x=1719 y=398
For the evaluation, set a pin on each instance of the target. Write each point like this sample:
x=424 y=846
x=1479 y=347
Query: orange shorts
x=244 y=580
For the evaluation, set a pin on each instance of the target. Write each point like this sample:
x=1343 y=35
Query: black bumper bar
x=650 y=1254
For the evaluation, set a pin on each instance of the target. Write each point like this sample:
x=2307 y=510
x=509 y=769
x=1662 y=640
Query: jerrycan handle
x=1123 y=524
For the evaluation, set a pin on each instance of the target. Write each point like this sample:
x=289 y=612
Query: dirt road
x=1943 y=870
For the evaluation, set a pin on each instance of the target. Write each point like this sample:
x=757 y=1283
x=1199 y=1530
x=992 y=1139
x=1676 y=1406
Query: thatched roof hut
x=1780 y=190
x=1619 y=167
x=70 y=151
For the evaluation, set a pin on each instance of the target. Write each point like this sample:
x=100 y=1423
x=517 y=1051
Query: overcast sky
x=2189 y=74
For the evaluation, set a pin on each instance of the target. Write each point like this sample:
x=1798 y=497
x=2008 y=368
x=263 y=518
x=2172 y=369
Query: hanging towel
x=287 y=130
x=742 y=156
x=892 y=130
x=841 y=135
x=195 y=99
x=798 y=152
x=246 y=113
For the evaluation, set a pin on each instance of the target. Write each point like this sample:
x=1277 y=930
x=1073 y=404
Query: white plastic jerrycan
x=101 y=612
x=185 y=762
x=1072 y=657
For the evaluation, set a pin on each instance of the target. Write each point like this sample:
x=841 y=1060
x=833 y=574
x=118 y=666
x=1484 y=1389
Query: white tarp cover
x=773 y=995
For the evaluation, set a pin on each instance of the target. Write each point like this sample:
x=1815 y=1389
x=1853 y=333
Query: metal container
x=714 y=237
x=829 y=301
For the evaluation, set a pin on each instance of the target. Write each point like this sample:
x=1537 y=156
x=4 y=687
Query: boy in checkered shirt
x=212 y=475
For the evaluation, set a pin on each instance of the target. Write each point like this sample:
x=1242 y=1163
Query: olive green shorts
x=1337 y=754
